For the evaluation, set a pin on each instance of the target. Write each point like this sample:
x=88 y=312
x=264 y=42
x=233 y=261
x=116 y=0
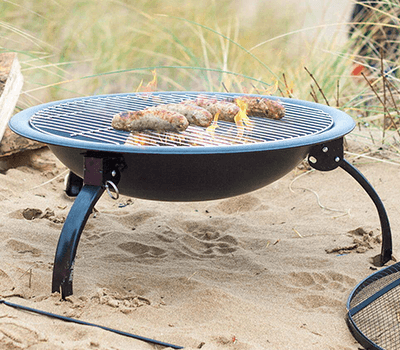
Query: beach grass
x=86 y=47
x=63 y=43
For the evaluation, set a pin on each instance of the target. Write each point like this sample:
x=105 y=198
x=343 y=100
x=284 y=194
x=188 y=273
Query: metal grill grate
x=90 y=120
x=374 y=309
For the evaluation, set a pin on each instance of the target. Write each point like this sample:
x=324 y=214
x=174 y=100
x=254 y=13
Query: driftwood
x=11 y=81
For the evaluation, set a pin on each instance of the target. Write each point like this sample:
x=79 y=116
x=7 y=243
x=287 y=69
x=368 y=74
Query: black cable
x=68 y=319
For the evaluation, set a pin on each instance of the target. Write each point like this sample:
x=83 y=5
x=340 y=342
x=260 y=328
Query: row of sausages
x=201 y=112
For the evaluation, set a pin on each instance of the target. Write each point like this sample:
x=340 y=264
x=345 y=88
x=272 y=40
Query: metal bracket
x=326 y=156
x=98 y=170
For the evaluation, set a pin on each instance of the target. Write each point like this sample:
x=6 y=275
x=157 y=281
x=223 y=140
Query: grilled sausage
x=153 y=118
x=194 y=114
x=227 y=110
x=256 y=107
x=263 y=107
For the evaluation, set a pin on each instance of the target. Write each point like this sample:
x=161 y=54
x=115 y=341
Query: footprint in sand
x=16 y=336
x=6 y=283
x=142 y=250
x=317 y=286
x=203 y=240
x=22 y=248
x=133 y=220
x=239 y=204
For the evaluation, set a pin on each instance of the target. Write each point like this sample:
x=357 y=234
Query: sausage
x=194 y=114
x=152 y=118
x=227 y=110
x=263 y=107
x=256 y=107
x=177 y=116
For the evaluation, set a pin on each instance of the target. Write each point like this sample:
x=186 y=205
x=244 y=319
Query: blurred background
x=71 y=48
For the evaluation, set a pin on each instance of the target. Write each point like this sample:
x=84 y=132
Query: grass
x=66 y=41
x=85 y=47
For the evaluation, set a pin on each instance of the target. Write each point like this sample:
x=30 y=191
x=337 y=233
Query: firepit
x=193 y=165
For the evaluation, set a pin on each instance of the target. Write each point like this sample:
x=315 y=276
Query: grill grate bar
x=90 y=120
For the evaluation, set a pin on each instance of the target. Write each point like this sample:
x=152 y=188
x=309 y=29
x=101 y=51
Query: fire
x=273 y=88
x=139 y=87
x=136 y=139
x=241 y=118
x=151 y=86
x=140 y=140
x=213 y=126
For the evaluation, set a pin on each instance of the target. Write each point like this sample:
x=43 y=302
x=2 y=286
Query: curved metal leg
x=386 y=253
x=329 y=156
x=69 y=238
x=74 y=185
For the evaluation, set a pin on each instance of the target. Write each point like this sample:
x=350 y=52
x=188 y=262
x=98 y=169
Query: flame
x=166 y=137
x=270 y=90
x=136 y=140
x=241 y=118
x=213 y=126
x=273 y=88
x=140 y=86
x=150 y=86
x=140 y=140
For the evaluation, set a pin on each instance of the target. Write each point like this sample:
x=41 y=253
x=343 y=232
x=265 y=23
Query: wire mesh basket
x=374 y=310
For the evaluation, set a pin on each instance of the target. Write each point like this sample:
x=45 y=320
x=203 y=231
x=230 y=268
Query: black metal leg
x=74 y=185
x=386 y=253
x=329 y=156
x=69 y=238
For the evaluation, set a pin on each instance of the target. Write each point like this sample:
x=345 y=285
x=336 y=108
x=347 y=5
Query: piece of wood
x=11 y=81
x=13 y=143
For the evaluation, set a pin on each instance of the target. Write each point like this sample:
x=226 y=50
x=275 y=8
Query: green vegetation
x=62 y=43
x=71 y=48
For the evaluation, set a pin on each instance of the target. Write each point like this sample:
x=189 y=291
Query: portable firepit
x=193 y=165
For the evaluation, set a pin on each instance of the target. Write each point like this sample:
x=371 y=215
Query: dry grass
x=76 y=47
x=84 y=47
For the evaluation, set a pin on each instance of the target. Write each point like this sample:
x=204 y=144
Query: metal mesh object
x=90 y=120
x=374 y=310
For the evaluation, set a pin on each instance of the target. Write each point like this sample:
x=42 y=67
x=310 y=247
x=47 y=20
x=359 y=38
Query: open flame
x=136 y=139
x=150 y=86
x=241 y=119
x=213 y=126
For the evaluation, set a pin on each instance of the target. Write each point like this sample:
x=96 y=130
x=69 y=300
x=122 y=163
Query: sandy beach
x=250 y=272
x=271 y=269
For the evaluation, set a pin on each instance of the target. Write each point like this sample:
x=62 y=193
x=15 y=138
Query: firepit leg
x=69 y=238
x=329 y=156
x=386 y=252
x=74 y=185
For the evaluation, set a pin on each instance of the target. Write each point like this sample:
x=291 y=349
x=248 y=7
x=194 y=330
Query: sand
x=249 y=272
